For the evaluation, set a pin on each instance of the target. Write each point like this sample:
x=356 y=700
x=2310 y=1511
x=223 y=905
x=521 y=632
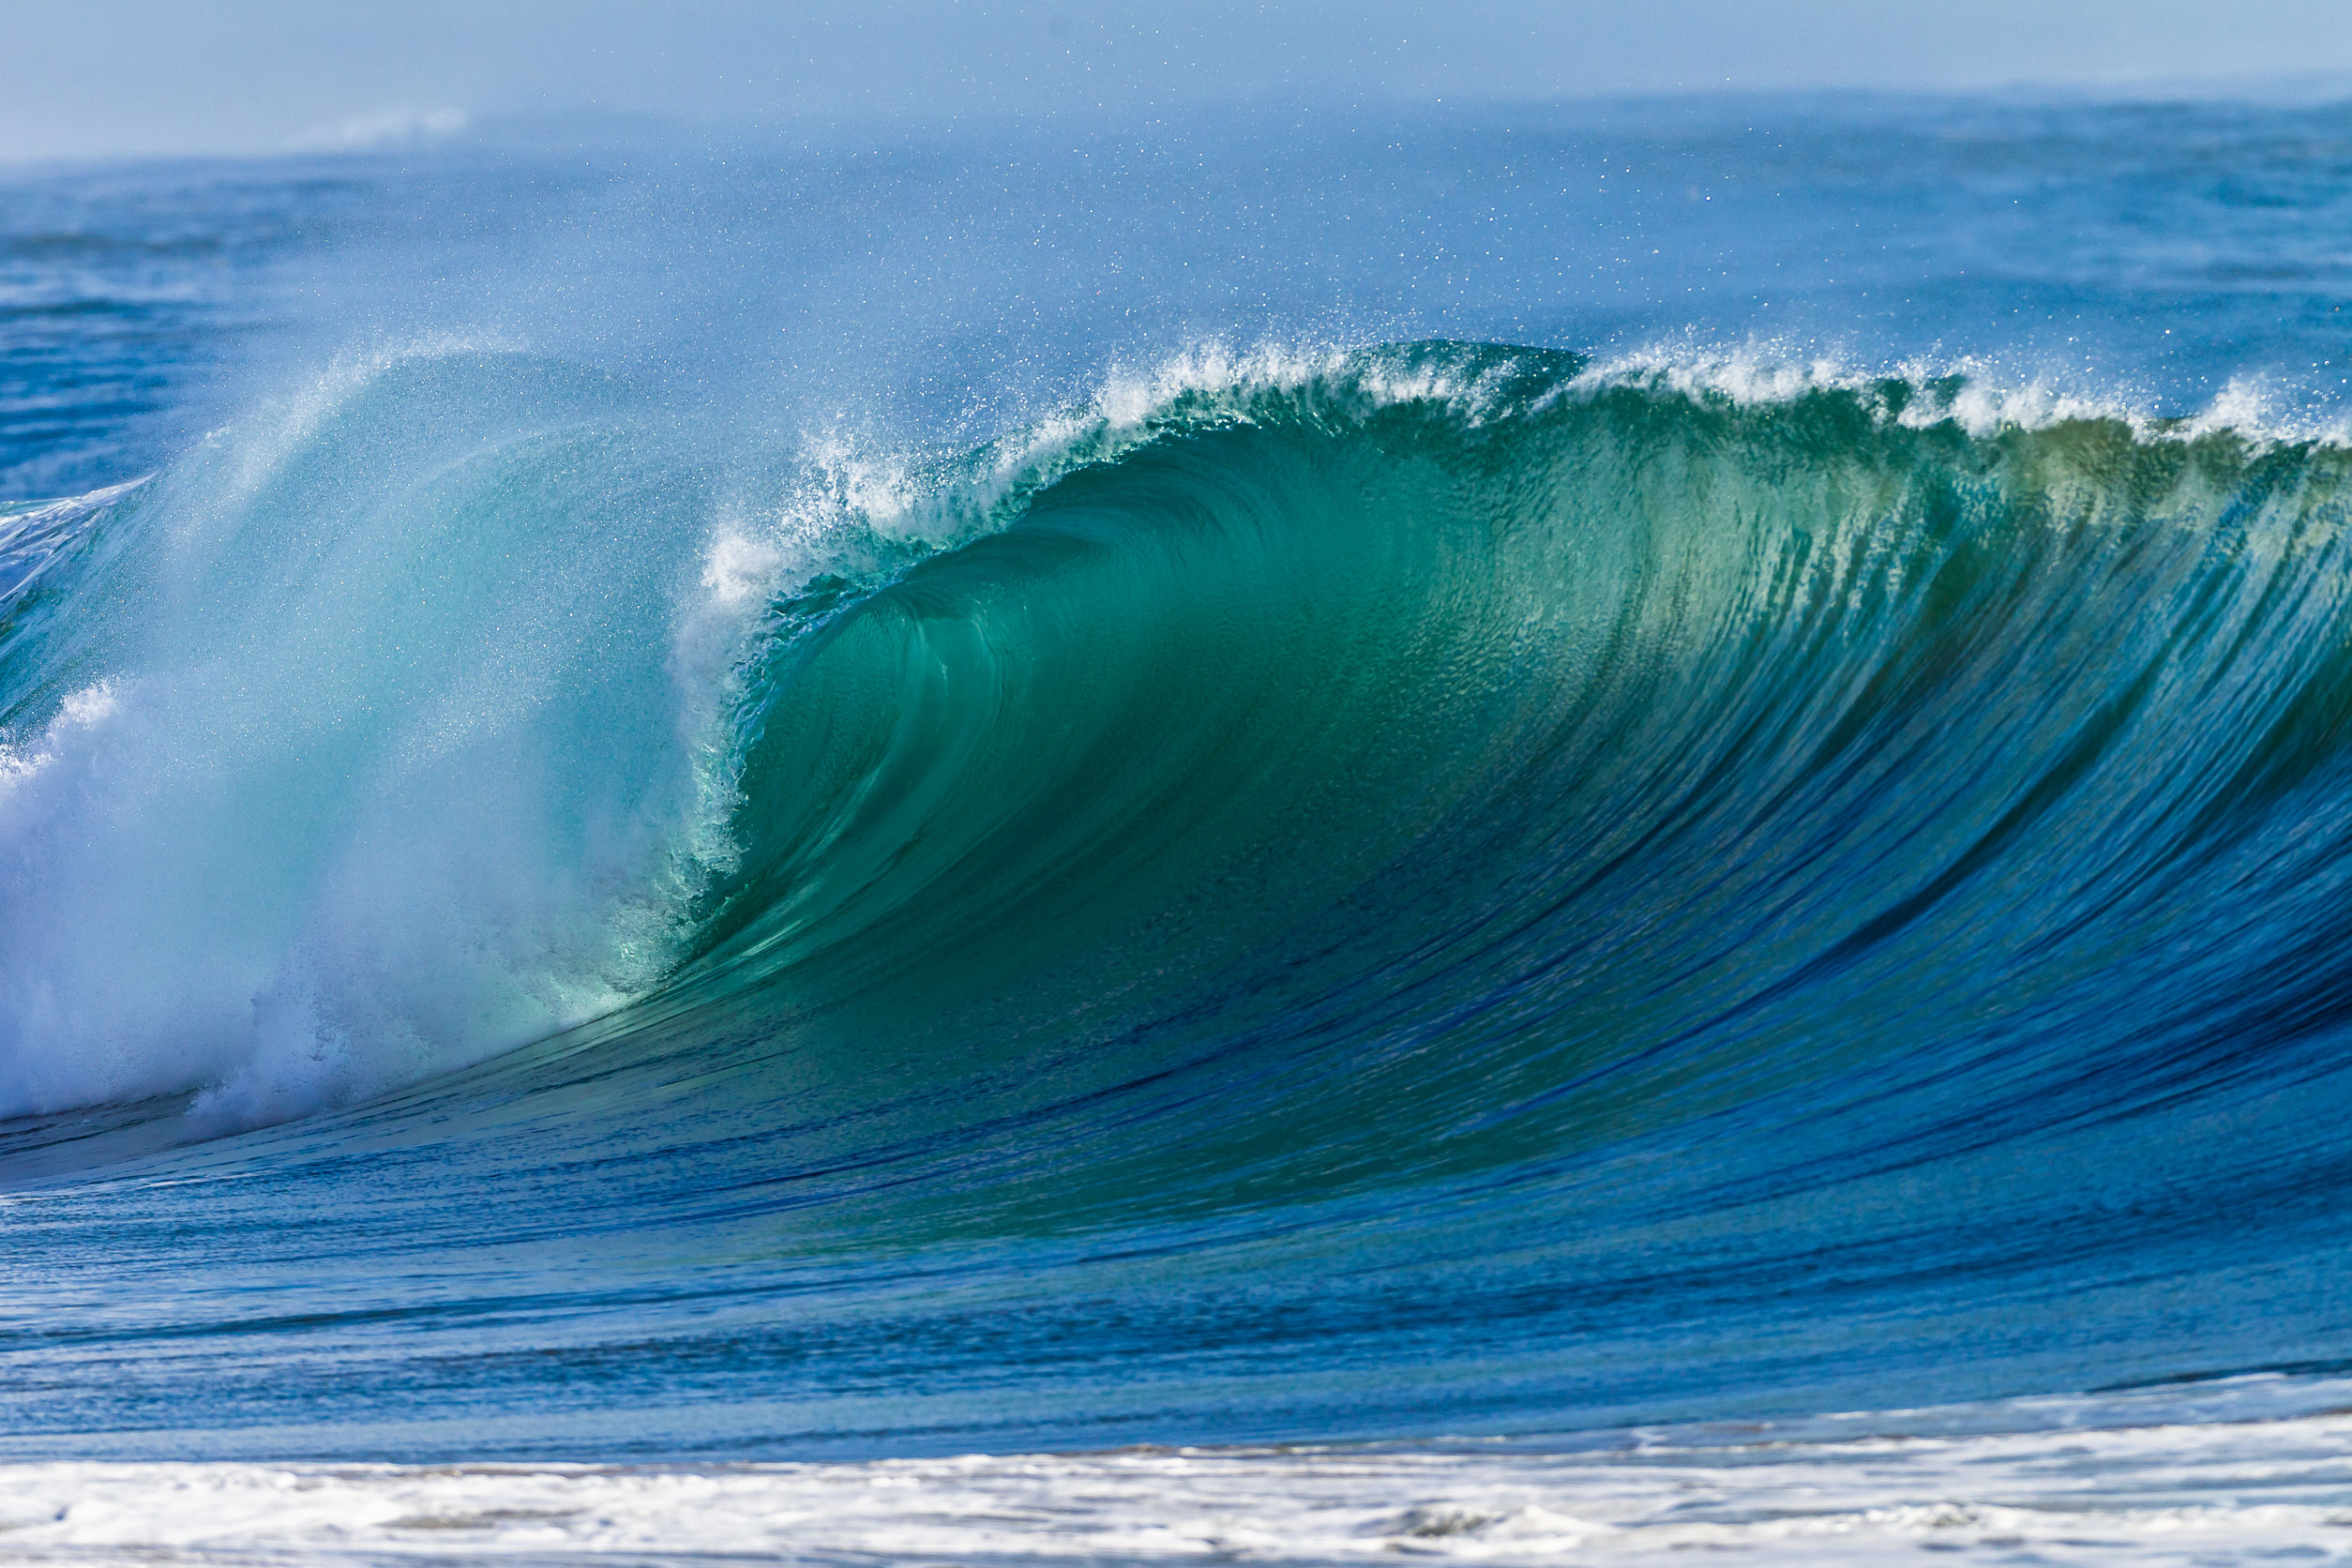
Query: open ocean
x=1525 y=833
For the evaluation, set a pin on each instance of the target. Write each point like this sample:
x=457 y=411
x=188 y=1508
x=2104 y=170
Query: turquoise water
x=1498 y=773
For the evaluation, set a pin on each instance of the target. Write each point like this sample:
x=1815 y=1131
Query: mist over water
x=1483 y=772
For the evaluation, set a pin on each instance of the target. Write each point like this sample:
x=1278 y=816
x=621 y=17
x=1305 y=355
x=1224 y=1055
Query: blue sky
x=98 y=76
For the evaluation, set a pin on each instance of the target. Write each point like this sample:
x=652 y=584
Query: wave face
x=1553 y=764
x=1416 y=888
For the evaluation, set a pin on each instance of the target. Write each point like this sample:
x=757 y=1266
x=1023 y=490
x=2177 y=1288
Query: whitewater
x=1534 y=834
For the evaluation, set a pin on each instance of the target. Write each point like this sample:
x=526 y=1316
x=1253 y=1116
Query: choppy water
x=1538 y=774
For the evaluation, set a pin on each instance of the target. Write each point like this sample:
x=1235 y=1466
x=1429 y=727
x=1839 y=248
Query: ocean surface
x=1530 y=832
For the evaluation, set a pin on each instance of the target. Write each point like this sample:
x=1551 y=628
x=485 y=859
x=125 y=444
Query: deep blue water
x=1051 y=784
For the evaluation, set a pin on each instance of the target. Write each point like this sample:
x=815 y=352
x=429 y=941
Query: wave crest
x=1571 y=750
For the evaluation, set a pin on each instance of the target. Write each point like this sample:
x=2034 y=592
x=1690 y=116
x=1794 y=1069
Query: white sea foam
x=1862 y=1490
x=1981 y=398
x=395 y=127
x=384 y=775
